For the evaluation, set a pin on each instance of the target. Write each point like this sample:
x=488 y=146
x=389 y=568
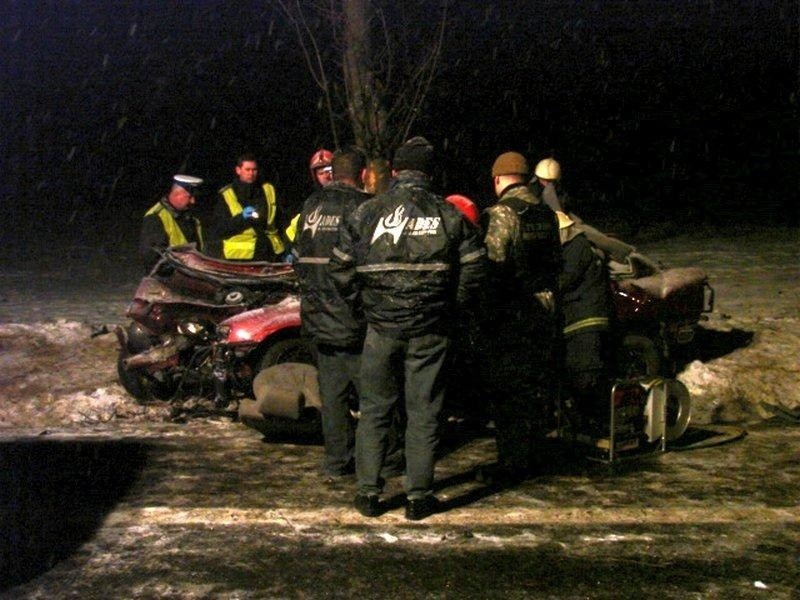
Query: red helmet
x=320 y=158
x=466 y=207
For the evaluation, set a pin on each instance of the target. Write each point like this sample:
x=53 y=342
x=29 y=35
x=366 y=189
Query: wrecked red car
x=218 y=329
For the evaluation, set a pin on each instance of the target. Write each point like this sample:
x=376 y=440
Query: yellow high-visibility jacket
x=242 y=246
x=175 y=236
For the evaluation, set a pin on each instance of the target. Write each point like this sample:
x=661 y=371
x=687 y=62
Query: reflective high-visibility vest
x=175 y=236
x=242 y=246
x=291 y=230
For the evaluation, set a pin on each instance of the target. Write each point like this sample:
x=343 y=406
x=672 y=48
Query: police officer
x=169 y=222
x=524 y=254
x=408 y=257
x=246 y=218
x=337 y=331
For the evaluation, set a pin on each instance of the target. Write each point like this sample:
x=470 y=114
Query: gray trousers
x=400 y=372
x=337 y=373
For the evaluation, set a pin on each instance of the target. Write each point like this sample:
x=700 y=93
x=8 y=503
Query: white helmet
x=548 y=169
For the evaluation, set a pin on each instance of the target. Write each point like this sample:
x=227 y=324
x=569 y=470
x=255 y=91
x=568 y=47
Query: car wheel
x=289 y=350
x=638 y=356
x=142 y=386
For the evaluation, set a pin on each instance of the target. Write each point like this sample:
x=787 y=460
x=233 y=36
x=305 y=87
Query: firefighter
x=170 y=221
x=545 y=185
x=586 y=306
x=408 y=258
x=321 y=170
x=247 y=216
x=321 y=167
x=524 y=257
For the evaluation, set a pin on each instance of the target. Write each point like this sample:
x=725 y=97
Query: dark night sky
x=679 y=109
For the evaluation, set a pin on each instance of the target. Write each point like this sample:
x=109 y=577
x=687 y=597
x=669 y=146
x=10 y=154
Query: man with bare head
x=246 y=217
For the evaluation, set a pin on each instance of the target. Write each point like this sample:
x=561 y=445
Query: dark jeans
x=395 y=371
x=337 y=372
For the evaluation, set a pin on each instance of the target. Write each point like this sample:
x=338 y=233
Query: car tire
x=638 y=356
x=287 y=350
x=142 y=386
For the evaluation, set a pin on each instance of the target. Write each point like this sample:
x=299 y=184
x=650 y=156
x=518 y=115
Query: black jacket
x=585 y=295
x=410 y=257
x=326 y=316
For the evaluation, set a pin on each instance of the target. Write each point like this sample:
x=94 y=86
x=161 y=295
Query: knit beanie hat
x=510 y=163
x=414 y=155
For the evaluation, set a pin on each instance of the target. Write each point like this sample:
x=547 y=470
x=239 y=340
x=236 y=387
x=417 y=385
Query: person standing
x=336 y=329
x=247 y=216
x=546 y=185
x=321 y=170
x=586 y=309
x=524 y=256
x=321 y=167
x=170 y=222
x=408 y=258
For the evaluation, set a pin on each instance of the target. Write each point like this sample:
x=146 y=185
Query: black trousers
x=400 y=372
x=337 y=373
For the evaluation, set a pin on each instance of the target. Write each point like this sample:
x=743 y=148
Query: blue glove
x=249 y=213
x=289 y=257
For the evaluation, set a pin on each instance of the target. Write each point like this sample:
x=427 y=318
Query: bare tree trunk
x=364 y=107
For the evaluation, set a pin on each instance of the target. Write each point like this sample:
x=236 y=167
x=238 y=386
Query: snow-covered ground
x=54 y=374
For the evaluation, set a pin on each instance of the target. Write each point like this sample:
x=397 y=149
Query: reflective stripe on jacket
x=242 y=246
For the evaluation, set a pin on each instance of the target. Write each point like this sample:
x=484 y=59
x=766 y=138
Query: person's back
x=406 y=256
x=326 y=315
x=524 y=257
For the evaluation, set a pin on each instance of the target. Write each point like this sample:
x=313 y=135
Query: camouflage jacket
x=522 y=243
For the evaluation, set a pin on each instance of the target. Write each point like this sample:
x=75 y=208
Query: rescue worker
x=321 y=167
x=585 y=306
x=524 y=258
x=545 y=185
x=321 y=174
x=466 y=207
x=408 y=258
x=170 y=222
x=337 y=331
x=246 y=218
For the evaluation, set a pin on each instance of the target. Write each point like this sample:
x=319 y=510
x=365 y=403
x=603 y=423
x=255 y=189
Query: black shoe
x=368 y=505
x=420 y=508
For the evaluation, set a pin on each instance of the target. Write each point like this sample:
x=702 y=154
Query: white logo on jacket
x=317 y=220
x=397 y=223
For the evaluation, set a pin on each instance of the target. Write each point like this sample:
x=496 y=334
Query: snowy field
x=54 y=374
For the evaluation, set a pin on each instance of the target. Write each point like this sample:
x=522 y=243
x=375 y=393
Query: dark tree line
x=682 y=110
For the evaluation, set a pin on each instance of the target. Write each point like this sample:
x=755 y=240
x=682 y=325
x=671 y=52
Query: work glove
x=249 y=213
x=289 y=257
x=547 y=300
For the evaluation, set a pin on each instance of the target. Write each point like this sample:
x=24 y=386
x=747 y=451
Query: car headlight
x=195 y=328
